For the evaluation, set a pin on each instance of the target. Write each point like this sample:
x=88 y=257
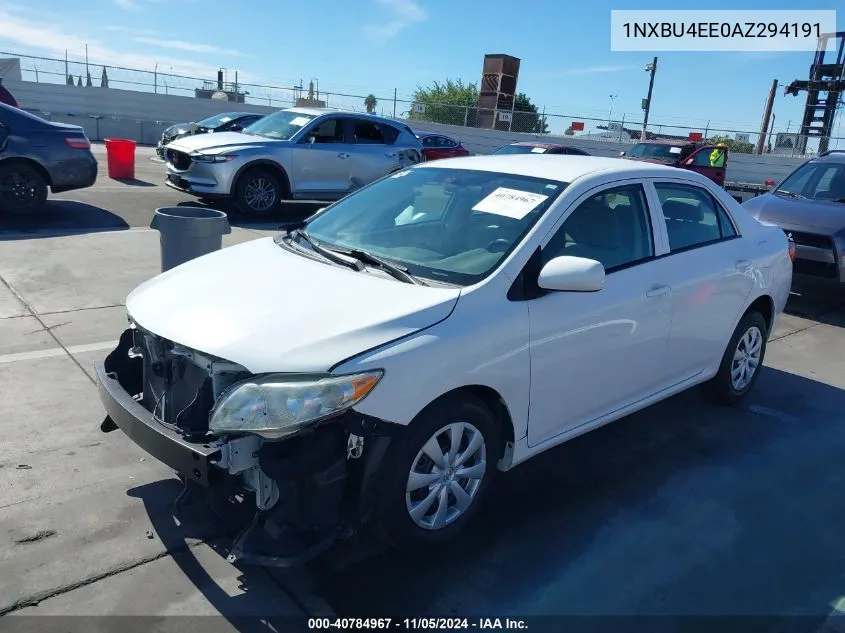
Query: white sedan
x=379 y=363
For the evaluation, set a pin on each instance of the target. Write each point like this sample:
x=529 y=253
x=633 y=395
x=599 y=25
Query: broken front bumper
x=192 y=460
x=310 y=489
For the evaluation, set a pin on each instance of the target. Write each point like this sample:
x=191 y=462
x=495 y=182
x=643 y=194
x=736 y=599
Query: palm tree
x=370 y=103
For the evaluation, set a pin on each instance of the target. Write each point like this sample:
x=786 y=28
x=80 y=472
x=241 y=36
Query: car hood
x=269 y=310
x=219 y=142
x=816 y=216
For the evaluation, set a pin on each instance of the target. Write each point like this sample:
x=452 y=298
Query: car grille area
x=178 y=160
x=828 y=270
x=177 y=390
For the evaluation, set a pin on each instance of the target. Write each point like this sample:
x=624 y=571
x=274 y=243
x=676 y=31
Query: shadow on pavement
x=137 y=183
x=60 y=217
x=290 y=211
x=248 y=612
x=680 y=509
x=826 y=305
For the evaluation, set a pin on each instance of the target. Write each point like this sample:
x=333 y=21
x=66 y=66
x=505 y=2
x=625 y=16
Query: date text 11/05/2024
x=722 y=29
x=413 y=624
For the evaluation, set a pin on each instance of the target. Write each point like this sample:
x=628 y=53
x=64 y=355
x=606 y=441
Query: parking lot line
x=56 y=351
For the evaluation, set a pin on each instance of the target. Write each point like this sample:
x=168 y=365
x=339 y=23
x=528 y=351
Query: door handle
x=742 y=264
x=657 y=291
x=343 y=155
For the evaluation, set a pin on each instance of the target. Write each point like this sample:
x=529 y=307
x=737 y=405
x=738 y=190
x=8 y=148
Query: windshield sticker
x=538 y=150
x=225 y=119
x=674 y=150
x=510 y=202
x=300 y=121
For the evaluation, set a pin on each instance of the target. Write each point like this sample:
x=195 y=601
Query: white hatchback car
x=380 y=362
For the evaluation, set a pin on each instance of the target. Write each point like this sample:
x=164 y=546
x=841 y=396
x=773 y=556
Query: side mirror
x=572 y=274
x=622 y=153
x=236 y=128
x=689 y=162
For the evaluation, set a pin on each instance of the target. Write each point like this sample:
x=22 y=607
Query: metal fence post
x=513 y=108
x=622 y=127
x=466 y=115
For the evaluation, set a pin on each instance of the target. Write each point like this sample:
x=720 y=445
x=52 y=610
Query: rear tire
x=741 y=363
x=259 y=192
x=444 y=496
x=23 y=190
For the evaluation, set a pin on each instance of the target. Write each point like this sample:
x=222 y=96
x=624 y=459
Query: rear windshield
x=656 y=151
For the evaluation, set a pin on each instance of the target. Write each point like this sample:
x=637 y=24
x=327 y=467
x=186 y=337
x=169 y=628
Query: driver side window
x=612 y=227
x=329 y=131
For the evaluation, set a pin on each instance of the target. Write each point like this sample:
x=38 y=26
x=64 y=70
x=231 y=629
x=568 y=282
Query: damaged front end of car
x=292 y=443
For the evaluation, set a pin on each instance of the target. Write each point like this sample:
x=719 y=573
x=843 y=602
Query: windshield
x=821 y=181
x=521 y=149
x=451 y=225
x=280 y=125
x=656 y=151
x=215 y=121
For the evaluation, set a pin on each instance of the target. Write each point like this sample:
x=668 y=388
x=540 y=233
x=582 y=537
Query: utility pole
x=394 y=103
x=764 y=128
x=652 y=67
x=610 y=113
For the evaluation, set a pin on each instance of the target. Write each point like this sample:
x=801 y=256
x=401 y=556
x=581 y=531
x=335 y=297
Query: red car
x=6 y=96
x=438 y=146
x=532 y=147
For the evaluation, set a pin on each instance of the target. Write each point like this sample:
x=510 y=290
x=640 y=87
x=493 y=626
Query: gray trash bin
x=188 y=233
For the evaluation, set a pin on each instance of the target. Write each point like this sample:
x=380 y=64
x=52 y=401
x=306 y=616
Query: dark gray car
x=37 y=155
x=224 y=122
x=810 y=205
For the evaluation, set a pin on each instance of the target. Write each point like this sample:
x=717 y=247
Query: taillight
x=791 y=248
x=76 y=142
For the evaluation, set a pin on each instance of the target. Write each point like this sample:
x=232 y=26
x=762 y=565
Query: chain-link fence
x=619 y=128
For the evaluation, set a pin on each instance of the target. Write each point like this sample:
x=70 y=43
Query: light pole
x=610 y=113
x=651 y=68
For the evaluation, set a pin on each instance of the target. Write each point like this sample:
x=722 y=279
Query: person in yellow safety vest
x=717 y=156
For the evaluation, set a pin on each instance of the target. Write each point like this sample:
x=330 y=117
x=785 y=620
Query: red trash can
x=121 y=158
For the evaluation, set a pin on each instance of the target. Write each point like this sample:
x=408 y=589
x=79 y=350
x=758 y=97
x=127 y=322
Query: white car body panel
x=258 y=305
x=562 y=364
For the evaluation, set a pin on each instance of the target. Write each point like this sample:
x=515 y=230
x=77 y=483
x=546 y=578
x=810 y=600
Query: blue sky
x=378 y=45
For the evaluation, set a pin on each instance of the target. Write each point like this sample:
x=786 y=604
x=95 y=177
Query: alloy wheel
x=19 y=189
x=260 y=194
x=746 y=360
x=446 y=476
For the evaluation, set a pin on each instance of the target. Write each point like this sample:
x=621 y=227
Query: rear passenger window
x=693 y=216
x=370 y=132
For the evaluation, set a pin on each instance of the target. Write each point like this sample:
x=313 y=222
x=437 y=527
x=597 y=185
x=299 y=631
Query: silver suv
x=298 y=153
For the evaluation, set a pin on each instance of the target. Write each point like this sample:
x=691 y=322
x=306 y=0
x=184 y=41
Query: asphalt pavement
x=681 y=509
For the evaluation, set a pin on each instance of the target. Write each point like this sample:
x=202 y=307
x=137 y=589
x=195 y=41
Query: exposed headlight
x=279 y=405
x=213 y=158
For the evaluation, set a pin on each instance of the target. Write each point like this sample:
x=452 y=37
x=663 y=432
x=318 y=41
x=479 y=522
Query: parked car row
x=224 y=122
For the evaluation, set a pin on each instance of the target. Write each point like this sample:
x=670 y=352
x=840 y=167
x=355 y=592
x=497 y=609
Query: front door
x=709 y=273
x=701 y=162
x=593 y=353
x=321 y=161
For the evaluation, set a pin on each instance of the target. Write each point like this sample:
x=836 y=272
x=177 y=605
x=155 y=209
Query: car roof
x=831 y=156
x=559 y=167
x=317 y=112
x=666 y=141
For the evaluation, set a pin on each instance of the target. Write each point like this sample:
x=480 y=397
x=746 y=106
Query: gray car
x=298 y=153
x=38 y=155
x=810 y=205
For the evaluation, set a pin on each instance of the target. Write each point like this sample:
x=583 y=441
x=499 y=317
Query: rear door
x=710 y=274
x=700 y=162
x=321 y=165
x=372 y=154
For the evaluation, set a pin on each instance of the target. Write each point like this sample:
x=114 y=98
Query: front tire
x=741 y=363
x=440 y=472
x=259 y=192
x=23 y=190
